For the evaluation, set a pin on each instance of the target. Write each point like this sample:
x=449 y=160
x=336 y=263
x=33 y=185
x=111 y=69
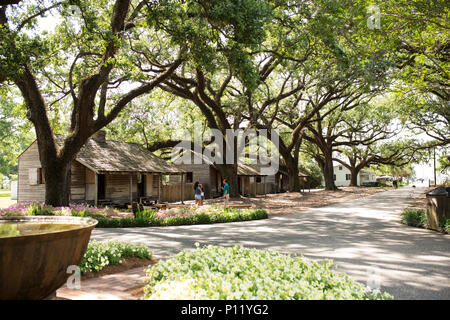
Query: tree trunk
x=229 y=172
x=57 y=183
x=354 y=177
x=328 y=172
x=294 y=180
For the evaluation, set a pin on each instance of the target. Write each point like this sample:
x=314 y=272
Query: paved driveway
x=363 y=237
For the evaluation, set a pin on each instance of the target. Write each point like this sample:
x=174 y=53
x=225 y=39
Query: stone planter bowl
x=34 y=266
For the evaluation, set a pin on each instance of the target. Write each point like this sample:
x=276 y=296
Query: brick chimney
x=99 y=136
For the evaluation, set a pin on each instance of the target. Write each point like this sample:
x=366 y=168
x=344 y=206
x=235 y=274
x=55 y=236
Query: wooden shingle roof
x=121 y=157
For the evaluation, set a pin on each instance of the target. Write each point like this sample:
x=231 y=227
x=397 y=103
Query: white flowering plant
x=100 y=254
x=215 y=272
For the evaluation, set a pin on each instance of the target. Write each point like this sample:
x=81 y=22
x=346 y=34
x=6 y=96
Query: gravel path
x=362 y=236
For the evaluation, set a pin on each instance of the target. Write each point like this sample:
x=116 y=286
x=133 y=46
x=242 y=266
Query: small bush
x=445 y=226
x=215 y=272
x=100 y=254
x=414 y=217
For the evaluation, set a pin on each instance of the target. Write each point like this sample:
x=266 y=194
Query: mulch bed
x=294 y=202
x=420 y=202
x=127 y=264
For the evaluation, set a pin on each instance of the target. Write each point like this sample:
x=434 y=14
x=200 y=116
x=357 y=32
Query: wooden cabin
x=104 y=172
x=250 y=179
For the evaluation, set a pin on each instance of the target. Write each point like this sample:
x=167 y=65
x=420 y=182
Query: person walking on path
x=226 y=191
x=202 y=194
x=197 y=193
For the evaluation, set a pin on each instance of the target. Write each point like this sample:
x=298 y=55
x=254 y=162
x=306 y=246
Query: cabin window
x=258 y=179
x=334 y=177
x=36 y=176
x=340 y=167
x=41 y=176
x=189 y=177
x=347 y=177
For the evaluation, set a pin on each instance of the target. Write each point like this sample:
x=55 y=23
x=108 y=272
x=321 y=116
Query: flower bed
x=169 y=217
x=215 y=272
x=101 y=254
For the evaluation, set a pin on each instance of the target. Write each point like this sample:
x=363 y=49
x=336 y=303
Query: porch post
x=182 y=188
x=265 y=190
x=131 y=189
x=96 y=190
x=159 y=187
x=254 y=185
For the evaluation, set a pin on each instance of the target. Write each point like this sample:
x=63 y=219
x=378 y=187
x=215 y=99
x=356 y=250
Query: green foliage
x=214 y=272
x=444 y=164
x=185 y=216
x=213 y=31
x=445 y=226
x=15 y=133
x=100 y=254
x=414 y=217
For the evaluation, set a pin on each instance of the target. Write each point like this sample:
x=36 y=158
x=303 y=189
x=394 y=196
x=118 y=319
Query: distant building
x=13 y=190
x=342 y=176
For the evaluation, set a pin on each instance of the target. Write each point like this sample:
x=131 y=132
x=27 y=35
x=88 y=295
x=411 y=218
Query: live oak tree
x=205 y=80
x=373 y=138
x=92 y=68
x=15 y=132
x=414 y=37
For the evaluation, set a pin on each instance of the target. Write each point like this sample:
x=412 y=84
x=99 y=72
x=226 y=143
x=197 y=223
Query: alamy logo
x=374 y=20
x=239 y=146
x=74 y=280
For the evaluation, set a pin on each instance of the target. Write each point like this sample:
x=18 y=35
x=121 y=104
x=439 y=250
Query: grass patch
x=414 y=217
x=5 y=195
x=101 y=254
x=215 y=272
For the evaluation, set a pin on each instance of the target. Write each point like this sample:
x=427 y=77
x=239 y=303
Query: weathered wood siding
x=27 y=191
x=200 y=173
x=172 y=192
x=149 y=186
x=117 y=187
x=29 y=159
x=90 y=185
x=78 y=182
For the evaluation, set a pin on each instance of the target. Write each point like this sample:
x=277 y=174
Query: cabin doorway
x=141 y=185
x=101 y=187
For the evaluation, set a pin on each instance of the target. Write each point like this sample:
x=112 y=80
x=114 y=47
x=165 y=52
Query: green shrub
x=215 y=272
x=445 y=226
x=100 y=254
x=38 y=209
x=202 y=215
x=414 y=217
x=145 y=214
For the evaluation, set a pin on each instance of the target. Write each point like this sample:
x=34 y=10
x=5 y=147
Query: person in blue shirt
x=226 y=191
x=202 y=194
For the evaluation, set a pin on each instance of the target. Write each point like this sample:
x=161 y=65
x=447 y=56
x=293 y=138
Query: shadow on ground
x=364 y=238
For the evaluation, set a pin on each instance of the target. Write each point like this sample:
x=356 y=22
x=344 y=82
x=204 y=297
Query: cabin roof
x=115 y=156
x=120 y=157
